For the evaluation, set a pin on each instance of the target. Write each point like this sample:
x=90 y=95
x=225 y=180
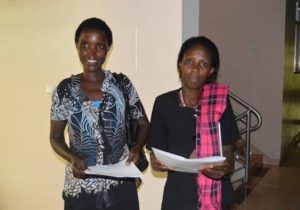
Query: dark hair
x=209 y=46
x=97 y=24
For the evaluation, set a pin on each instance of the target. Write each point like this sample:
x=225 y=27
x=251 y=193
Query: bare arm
x=57 y=139
x=143 y=132
x=142 y=138
x=58 y=143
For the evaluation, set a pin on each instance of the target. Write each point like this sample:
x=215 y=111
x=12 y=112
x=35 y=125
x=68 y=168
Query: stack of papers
x=179 y=163
x=116 y=170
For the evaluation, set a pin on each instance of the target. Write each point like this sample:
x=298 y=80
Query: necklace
x=197 y=108
x=181 y=98
x=183 y=101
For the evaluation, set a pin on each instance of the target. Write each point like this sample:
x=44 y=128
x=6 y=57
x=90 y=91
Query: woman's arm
x=142 y=137
x=58 y=143
x=143 y=132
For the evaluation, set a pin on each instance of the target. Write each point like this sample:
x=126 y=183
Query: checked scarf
x=213 y=104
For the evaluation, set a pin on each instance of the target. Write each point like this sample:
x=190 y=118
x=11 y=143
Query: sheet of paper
x=179 y=163
x=116 y=170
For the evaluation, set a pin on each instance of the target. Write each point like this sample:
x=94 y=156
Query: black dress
x=173 y=129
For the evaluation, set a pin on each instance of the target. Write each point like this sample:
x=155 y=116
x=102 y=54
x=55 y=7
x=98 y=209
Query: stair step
x=238 y=177
x=256 y=160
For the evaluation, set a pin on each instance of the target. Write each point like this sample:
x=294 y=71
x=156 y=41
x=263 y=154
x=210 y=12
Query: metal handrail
x=246 y=118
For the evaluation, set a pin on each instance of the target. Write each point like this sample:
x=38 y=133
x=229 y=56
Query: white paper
x=220 y=139
x=116 y=170
x=179 y=163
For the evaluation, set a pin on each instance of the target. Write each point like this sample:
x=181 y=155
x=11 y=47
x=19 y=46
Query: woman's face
x=92 y=49
x=195 y=67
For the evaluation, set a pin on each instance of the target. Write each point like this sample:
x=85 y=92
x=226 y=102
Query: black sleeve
x=229 y=128
x=158 y=130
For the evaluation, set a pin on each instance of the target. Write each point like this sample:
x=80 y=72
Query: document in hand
x=179 y=163
x=116 y=170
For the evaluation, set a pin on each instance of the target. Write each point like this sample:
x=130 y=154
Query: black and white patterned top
x=98 y=135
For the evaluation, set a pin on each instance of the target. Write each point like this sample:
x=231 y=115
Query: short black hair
x=209 y=46
x=97 y=24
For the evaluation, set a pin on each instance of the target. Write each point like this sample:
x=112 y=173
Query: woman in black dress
x=175 y=127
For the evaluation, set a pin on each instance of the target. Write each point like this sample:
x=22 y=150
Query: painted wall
x=190 y=18
x=37 y=51
x=250 y=38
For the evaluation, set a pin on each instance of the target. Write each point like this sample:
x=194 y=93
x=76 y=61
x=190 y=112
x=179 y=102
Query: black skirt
x=124 y=196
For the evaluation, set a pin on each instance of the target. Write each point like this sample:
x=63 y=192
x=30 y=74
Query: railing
x=245 y=118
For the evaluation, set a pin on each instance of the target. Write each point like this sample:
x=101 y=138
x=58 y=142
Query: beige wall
x=37 y=50
x=250 y=37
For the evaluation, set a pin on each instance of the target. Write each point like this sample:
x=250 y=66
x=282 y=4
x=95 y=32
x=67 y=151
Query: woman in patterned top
x=92 y=106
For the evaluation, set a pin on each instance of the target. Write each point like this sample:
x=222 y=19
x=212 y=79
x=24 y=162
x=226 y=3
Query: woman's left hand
x=134 y=156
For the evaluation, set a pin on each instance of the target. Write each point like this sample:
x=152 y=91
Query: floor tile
x=265 y=198
x=277 y=188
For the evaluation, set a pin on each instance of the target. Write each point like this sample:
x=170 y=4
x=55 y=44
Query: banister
x=246 y=118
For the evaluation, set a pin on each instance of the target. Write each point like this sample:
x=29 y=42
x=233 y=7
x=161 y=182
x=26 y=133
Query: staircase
x=238 y=177
x=248 y=120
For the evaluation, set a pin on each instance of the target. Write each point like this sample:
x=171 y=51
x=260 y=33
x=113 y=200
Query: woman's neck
x=93 y=76
x=190 y=97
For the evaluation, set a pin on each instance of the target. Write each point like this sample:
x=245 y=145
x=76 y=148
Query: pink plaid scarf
x=213 y=104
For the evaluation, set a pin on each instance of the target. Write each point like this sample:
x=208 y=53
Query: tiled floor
x=279 y=189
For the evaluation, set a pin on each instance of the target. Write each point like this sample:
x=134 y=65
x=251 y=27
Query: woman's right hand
x=78 y=166
x=157 y=165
